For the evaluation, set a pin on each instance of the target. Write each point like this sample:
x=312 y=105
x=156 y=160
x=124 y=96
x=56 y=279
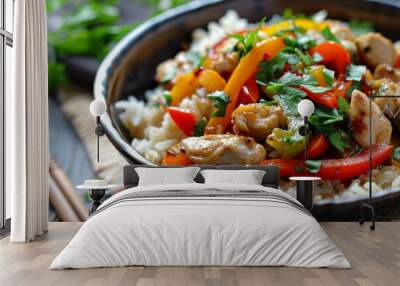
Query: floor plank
x=375 y=257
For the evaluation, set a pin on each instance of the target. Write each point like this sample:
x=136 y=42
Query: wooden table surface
x=375 y=257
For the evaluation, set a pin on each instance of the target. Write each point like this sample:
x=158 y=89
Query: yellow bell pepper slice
x=245 y=69
x=289 y=143
x=185 y=85
x=302 y=23
x=318 y=73
x=211 y=80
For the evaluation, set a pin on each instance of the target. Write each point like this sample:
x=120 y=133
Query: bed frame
x=271 y=178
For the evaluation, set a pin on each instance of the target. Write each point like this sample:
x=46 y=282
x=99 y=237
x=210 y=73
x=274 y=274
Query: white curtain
x=27 y=124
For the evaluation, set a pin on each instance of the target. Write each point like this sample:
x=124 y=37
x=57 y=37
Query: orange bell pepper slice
x=245 y=69
x=318 y=73
x=185 y=85
x=180 y=159
x=211 y=80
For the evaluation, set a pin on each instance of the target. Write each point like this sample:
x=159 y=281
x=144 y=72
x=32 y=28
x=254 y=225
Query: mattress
x=201 y=225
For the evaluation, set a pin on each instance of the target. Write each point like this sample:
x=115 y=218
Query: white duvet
x=188 y=231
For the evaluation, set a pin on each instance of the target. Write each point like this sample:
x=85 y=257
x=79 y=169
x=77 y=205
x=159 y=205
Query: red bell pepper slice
x=249 y=92
x=334 y=54
x=340 y=90
x=180 y=159
x=397 y=63
x=327 y=99
x=185 y=120
x=336 y=169
x=316 y=147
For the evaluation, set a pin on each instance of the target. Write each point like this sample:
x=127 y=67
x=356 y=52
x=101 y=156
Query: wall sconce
x=98 y=107
x=305 y=108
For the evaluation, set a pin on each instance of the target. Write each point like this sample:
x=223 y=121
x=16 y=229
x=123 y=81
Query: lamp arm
x=99 y=132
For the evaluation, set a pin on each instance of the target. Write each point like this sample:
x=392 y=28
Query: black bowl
x=130 y=67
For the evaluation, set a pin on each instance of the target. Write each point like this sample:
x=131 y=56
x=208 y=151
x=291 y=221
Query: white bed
x=201 y=224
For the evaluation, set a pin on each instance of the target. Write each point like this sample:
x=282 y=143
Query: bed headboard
x=271 y=177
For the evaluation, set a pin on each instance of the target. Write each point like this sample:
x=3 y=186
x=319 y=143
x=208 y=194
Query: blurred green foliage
x=89 y=28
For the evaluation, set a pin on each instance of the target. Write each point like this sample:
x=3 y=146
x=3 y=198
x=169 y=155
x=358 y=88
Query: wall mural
x=229 y=95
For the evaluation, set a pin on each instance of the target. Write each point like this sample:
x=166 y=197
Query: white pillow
x=166 y=176
x=247 y=177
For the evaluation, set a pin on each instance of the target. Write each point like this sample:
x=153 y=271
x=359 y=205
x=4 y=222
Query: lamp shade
x=305 y=107
x=98 y=107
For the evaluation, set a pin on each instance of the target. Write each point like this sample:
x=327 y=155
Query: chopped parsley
x=355 y=72
x=167 y=97
x=325 y=116
x=343 y=105
x=329 y=76
x=273 y=68
x=220 y=100
x=396 y=154
x=328 y=35
x=248 y=41
x=313 y=166
x=324 y=120
x=336 y=136
x=198 y=129
x=355 y=86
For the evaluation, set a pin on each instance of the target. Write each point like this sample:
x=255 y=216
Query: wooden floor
x=375 y=257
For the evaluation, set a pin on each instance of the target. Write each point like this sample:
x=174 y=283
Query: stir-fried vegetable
x=211 y=80
x=185 y=86
x=241 y=74
x=248 y=88
x=289 y=143
x=180 y=159
x=336 y=169
x=334 y=55
x=317 y=146
x=249 y=92
x=185 y=120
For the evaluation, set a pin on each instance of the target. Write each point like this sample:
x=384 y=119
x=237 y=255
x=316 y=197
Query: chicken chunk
x=223 y=149
x=387 y=71
x=359 y=113
x=257 y=120
x=375 y=49
x=390 y=106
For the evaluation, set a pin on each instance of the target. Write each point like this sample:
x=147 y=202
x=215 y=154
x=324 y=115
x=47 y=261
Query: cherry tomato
x=335 y=56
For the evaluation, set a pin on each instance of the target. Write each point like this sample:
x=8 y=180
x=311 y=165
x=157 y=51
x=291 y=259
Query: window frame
x=6 y=39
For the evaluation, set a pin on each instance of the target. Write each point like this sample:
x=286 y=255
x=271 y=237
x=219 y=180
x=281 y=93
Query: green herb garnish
x=248 y=41
x=220 y=101
x=343 y=105
x=325 y=116
x=198 y=129
x=313 y=166
x=328 y=35
x=355 y=72
x=396 y=154
x=167 y=97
